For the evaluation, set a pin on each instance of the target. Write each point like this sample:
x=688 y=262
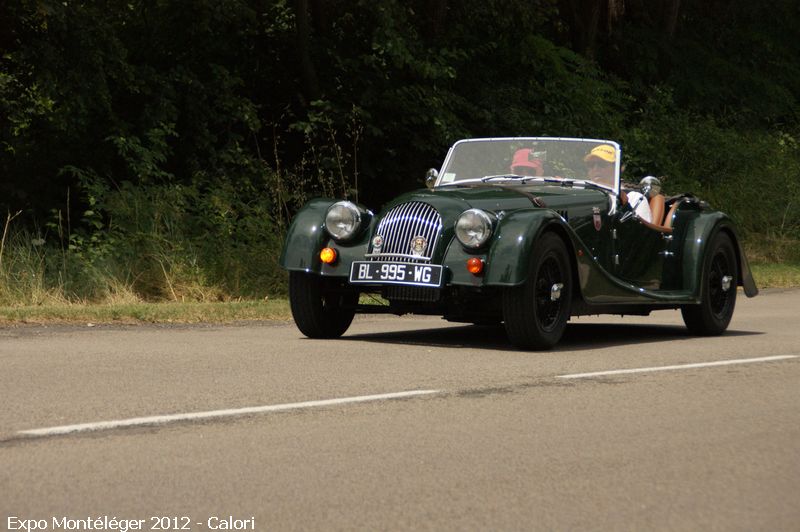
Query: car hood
x=451 y=202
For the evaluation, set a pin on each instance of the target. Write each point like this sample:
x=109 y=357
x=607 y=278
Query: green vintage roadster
x=521 y=231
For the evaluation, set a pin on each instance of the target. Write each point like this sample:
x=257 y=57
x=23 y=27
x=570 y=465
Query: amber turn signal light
x=328 y=255
x=475 y=266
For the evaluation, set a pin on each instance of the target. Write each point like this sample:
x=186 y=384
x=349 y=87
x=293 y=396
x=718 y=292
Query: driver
x=524 y=163
x=600 y=164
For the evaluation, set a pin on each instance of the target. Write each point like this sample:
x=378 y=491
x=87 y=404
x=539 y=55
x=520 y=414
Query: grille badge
x=418 y=246
x=377 y=243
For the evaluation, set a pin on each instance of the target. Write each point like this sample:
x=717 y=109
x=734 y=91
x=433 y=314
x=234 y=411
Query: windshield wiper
x=566 y=182
x=544 y=179
x=482 y=183
x=488 y=178
x=483 y=180
x=588 y=184
x=524 y=179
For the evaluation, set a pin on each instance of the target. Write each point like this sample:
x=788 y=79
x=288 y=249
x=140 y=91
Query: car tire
x=318 y=309
x=536 y=313
x=712 y=316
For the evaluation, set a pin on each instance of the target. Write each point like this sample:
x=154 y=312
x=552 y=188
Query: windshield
x=529 y=160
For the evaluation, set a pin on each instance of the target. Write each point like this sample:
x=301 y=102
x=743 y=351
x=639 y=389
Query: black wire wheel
x=320 y=307
x=718 y=290
x=536 y=313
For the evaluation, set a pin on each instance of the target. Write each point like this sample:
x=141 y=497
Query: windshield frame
x=617 y=165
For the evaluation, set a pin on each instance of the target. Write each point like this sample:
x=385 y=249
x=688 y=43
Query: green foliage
x=750 y=174
x=739 y=62
x=166 y=145
x=179 y=242
x=167 y=242
x=330 y=154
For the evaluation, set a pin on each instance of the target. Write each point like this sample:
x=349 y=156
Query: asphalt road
x=500 y=440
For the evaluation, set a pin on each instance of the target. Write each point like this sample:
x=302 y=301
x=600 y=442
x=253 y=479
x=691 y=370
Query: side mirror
x=651 y=186
x=430 y=177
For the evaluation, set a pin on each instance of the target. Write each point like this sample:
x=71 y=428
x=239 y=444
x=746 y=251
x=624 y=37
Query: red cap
x=524 y=157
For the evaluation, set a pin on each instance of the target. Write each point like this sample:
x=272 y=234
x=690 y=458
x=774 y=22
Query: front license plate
x=396 y=273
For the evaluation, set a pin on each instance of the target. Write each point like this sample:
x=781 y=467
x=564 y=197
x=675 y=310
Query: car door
x=638 y=253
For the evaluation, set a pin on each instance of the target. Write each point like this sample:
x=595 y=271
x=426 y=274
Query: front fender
x=508 y=259
x=307 y=236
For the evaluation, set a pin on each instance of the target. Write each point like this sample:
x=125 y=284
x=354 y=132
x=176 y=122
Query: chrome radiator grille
x=404 y=231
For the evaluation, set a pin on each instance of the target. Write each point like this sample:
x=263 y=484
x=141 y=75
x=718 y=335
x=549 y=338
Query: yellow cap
x=605 y=152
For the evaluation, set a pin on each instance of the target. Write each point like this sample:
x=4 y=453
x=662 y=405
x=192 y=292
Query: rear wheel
x=718 y=290
x=536 y=313
x=320 y=308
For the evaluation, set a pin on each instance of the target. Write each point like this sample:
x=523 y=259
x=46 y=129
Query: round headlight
x=342 y=220
x=473 y=228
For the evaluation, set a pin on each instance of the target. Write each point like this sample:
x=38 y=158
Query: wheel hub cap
x=726 y=283
x=555 y=291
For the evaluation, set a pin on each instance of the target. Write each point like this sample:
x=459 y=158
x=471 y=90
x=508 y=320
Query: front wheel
x=319 y=308
x=717 y=292
x=536 y=313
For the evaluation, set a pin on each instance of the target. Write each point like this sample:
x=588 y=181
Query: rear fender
x=700 y=232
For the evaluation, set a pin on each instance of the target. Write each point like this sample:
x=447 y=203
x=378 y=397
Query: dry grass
x=776 y=275
x=123 y=306
x=138 y=312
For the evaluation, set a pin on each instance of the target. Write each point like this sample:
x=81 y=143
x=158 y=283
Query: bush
x=751 y=175
x=153 y=243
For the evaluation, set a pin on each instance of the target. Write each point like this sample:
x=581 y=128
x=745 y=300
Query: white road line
x=681 y=366
x=172 y=418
